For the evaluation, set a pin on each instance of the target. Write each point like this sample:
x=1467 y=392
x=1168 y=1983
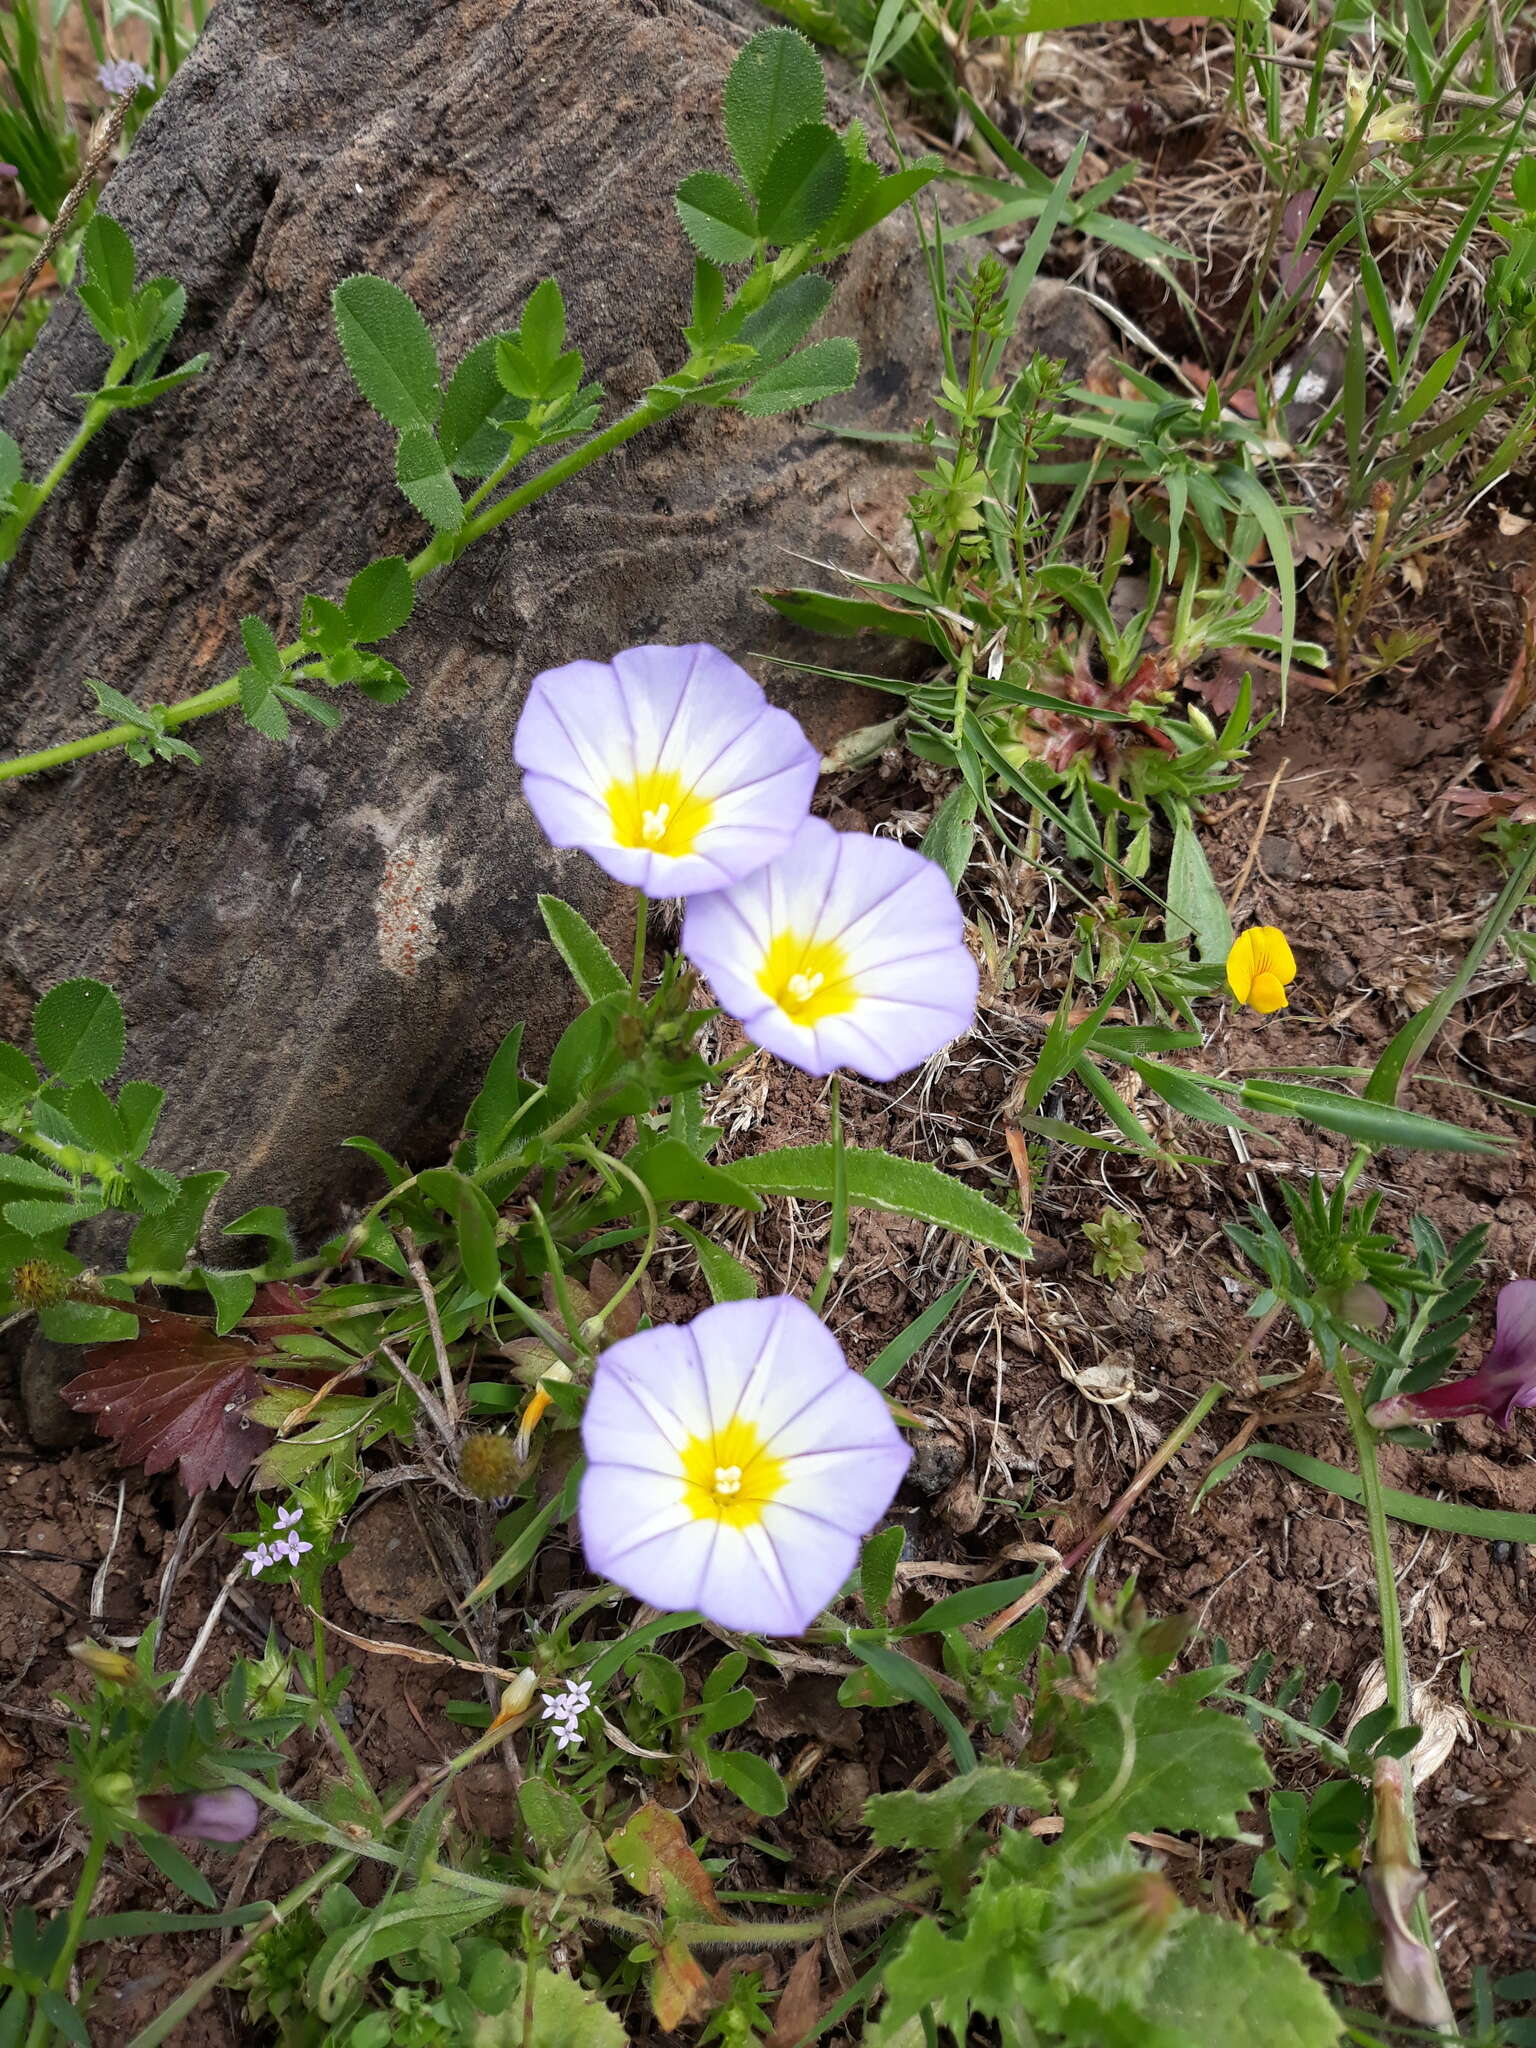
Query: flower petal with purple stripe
x=667 y=765
x=734 y=1464
x=846 y=951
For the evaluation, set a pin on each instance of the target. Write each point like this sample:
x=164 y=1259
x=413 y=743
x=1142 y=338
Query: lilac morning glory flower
x=228 y=1815
x=1505 y=1381
x=733 y=1464
x=846 y=951
x=121 y=74
x=667 y=764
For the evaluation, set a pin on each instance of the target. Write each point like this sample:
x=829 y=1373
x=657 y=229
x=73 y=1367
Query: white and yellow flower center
x=654 y=813
x=808 y=978
x=730 y=1476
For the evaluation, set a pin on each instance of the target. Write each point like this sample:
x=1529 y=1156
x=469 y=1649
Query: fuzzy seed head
x=39 y=1283
x=489 y=1466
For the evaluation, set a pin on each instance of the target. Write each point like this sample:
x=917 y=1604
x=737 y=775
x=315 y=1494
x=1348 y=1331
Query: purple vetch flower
x=733 y=1465
x=846 y=951
x=1505 y=1381
x=121 y=74
x=667 y=764
x=228 y=1815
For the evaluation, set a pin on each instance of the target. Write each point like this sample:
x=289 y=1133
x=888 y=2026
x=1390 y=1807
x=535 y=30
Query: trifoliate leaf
x=388 y=350
x=261 y=705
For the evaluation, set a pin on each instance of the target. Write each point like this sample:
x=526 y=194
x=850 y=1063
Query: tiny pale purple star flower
x=846 y=951
x=261 y=1559
x=290 y=1548
x=289 y=1518
x=228 y=1815
x=121 y=74
x=733 y=1465
x=667 y=764
x=568 y=1735
x=1505 y=1381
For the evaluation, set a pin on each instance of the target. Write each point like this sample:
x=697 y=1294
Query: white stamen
x=802 y=987
x=653 y=824
x=727 y=1481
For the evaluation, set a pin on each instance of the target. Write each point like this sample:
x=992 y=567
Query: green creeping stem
x=96 y=417
x=661 y=400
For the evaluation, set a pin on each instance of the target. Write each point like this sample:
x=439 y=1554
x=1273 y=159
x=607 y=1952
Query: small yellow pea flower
x=1259 y=966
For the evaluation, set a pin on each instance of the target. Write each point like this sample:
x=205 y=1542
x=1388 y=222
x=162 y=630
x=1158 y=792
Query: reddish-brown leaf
x=176 y=1391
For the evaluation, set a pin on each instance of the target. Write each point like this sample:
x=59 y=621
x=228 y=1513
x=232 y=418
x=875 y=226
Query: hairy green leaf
x=388 y=350
x=775 y=85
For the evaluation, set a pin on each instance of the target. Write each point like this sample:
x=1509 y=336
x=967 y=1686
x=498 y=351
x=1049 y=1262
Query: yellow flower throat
x=807 y=978
x=729 y=1477
x=654 y=813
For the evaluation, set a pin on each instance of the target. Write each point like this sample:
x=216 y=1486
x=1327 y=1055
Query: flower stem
x=85 y=1891
x=837 y=1234
x=1394 y=1653
x=637 y=971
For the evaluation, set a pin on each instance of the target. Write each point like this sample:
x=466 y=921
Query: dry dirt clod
x=388 y=1573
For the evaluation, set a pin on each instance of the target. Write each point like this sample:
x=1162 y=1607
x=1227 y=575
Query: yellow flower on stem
x=1259 y=966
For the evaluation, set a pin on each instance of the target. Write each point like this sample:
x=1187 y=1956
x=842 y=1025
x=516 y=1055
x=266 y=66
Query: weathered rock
x=332 y=936
x=42 y=1369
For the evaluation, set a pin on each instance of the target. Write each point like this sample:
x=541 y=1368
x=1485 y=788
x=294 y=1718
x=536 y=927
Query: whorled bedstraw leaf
x=803 y=184
x=717 y=217
x=388 y=350
x=424 y=477
x=820 y=371
x=775 y=85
